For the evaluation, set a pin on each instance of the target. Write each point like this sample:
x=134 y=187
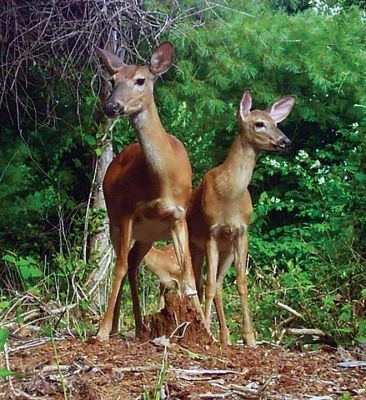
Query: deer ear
x=281 y=109
x=245 y=105
x=162 y=58
x=111 y=62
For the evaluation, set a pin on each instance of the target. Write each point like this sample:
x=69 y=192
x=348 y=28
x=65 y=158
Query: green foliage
x=4 y=333
x=26 y=267
x=155 y=393
x=307 y=241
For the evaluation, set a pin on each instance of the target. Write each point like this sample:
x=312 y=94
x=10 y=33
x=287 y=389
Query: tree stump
x=178 y=321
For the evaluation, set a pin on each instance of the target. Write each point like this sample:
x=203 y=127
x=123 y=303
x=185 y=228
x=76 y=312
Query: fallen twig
x=206 y=371
x=211 y=395
x=33 y=343
x=306 y=331
x=134 y=369
x=16 y=392
x=289 y=309
x=352 y=364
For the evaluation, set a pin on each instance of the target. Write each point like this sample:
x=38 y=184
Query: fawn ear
x=281 y=108
x=162 y=58
x=111 y=62
x=245 y=105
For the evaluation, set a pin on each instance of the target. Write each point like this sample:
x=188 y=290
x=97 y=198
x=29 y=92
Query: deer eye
x=259 y=124
x=140 y=81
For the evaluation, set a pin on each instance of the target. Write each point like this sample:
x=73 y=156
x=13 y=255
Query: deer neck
x=238 y=168
x=153 y=138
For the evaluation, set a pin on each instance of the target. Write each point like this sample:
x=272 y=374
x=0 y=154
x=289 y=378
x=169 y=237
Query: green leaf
x=4 y=333
x=9 y=258
x=85 y=305
x=360 y=177
x=5 y=372
x=4 y=304
x=90 y=140
x=25 y=271
x=35 y=272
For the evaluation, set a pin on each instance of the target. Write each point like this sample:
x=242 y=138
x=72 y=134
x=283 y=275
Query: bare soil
x=122 y=369
x=193 y=367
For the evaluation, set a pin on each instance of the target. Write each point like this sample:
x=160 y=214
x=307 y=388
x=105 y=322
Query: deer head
x=259 y=128
x=132 y=85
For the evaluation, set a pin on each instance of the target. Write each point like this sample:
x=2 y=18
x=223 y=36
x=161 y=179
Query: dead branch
x=305 y=331
x=66 y=32
x=16 y=392
x=289 y=309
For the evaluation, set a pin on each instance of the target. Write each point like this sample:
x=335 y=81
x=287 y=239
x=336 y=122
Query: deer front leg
x=105 y=326
x=212 y=264
x=180 y=242
x=181 y=248
x=240 y=257
x=224 y=265
x=117 y=307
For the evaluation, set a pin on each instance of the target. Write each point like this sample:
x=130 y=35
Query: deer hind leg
x=212 y=265
x=240 y=257
x=105 y=326
x=224 y=265
x=137 y=253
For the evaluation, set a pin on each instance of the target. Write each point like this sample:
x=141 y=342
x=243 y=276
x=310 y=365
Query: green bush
x=307 y=241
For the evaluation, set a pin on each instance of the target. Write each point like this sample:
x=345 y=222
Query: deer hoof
x=250 y=342
x=190 y=292
x=103 y=335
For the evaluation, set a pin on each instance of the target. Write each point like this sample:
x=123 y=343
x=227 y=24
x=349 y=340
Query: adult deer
x=220 y=209
x=147 y=186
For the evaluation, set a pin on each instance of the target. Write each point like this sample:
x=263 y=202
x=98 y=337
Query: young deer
x=163 y=263
x=219 y=213
x=147 y=186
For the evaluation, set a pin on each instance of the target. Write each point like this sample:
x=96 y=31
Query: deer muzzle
x=113 y=109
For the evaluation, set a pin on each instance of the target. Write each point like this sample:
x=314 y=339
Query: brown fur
x=147 y=187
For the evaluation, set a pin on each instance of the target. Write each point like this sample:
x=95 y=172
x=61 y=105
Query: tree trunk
x=100 y=247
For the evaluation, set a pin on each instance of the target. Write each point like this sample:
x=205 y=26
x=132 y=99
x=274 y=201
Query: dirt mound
x=179 y=321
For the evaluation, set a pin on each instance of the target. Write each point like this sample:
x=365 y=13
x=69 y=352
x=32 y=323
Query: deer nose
x=113 y=109
x=284 y=142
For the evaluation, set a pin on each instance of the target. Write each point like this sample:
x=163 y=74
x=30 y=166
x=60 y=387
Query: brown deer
x=163 y=263
x=223 y=197
x=220 y=209
x=147 y=186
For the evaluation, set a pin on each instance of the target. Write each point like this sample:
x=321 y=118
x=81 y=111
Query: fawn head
x=259 y=128
x=132 y=85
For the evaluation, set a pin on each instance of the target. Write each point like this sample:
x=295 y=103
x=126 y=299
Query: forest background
x=307 y=238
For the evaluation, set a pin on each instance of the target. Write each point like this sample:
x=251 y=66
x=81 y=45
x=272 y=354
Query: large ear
x=111 y=62
x=245 y=104
x=281 y=109
x=162 y=58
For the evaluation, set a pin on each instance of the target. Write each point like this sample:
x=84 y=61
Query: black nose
x=284 y=142
x=113 y=109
